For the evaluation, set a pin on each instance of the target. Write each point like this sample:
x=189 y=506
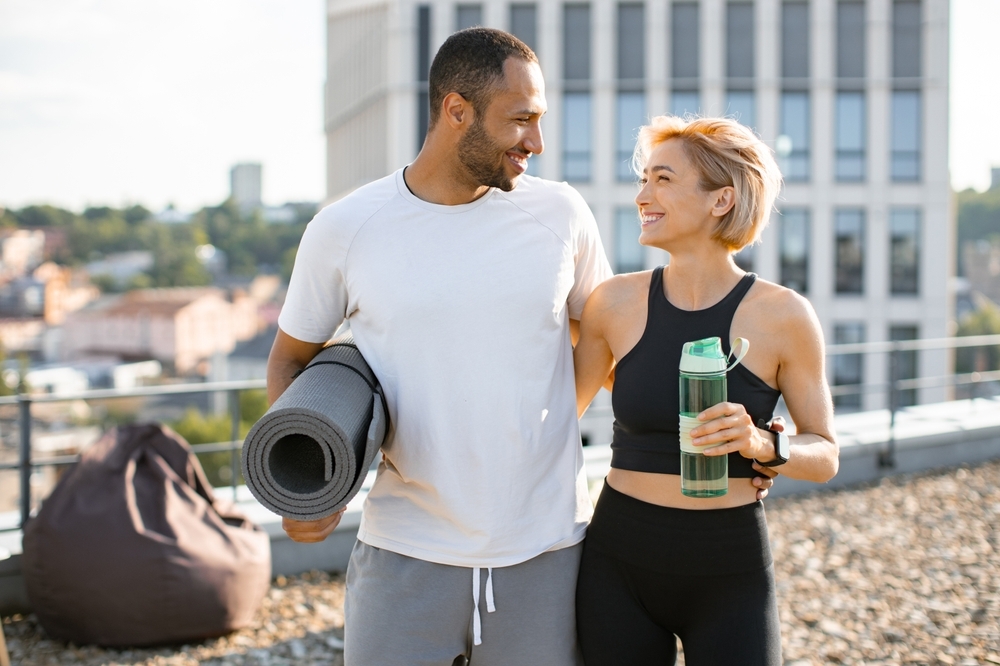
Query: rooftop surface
x=902 y=571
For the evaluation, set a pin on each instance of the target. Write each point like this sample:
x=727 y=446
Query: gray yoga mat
x=307 y=457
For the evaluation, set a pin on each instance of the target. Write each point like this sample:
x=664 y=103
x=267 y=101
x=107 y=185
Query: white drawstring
x=477 y=624
x=489 y=591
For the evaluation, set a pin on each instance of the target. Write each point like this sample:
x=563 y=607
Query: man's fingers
x=311 y=531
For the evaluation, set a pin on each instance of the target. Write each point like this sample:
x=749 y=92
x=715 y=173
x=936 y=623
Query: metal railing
x=27 y=464
x=894 y=388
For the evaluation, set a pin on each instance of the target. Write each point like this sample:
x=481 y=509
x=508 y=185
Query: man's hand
x=311 y=531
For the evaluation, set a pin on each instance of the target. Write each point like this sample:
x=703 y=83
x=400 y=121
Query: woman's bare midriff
x=665 y=490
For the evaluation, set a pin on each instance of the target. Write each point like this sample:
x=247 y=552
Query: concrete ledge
x=927 y=437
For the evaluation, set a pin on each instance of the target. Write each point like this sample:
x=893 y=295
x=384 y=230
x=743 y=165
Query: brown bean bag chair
x=132 y=548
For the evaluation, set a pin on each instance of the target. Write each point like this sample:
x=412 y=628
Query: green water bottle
x=703 y=370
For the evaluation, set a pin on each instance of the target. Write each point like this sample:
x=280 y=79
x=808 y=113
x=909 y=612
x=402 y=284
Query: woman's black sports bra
x=646 y=392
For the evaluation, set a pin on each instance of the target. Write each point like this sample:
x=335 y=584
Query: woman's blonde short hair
x=725 y=154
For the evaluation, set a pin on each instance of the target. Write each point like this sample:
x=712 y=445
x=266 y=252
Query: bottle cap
x=703 y=357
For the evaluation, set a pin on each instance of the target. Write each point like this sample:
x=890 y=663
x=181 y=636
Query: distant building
x=120 y=267
x=182 y=328
x=994 y=178
x=21 y=251
x=245 y=185
x=851 y=94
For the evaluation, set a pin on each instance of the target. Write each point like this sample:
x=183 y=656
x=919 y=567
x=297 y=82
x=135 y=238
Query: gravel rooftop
x=903 y=572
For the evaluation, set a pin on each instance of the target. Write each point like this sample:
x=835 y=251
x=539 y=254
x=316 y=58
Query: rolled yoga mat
x=307 y=457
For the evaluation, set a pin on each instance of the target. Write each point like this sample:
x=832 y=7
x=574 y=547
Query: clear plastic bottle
x=703 y=370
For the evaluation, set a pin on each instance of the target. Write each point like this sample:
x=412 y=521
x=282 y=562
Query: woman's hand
x=727 y=428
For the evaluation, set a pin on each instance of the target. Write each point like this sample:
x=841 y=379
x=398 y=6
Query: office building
x=851 y=94
x=245 y=185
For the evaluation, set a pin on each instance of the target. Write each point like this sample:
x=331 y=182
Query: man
x=460 y=278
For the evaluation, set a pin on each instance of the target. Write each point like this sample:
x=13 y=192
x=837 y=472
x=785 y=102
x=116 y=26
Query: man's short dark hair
x=470 y=62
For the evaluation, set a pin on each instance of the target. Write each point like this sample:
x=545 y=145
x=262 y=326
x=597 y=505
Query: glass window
x=905 y=364
x=793 y=143
x=794 y=249
x=739 y=40
x=850 y=39
x=467 y=16
x=423 y=70
x=576 y=136
x=906 y=51
x=848 y=369
x=629 y=255
x=905 y=162
x=524 y=23
x=904 y=227
x=795 y=40
x=849 y=227
x=683 y=102
x=631 y=42
x=576 y=42
x=850 y=138
x=740 y=104
x=631 y=115
x=685 y=40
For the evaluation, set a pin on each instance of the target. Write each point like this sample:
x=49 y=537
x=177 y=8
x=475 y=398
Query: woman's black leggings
x=650 y=573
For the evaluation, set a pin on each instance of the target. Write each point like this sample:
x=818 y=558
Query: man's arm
x=288 y=356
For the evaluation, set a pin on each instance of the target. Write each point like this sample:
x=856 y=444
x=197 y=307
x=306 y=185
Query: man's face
x=496 y=147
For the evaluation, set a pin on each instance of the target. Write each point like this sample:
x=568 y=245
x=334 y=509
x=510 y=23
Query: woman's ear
x=724 y=200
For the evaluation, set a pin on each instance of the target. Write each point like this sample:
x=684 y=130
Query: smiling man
x=460 y=278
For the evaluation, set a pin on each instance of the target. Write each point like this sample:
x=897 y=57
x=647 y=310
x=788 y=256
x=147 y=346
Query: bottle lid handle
x=744 y=346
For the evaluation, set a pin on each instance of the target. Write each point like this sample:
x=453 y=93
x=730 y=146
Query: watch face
x=783 y=446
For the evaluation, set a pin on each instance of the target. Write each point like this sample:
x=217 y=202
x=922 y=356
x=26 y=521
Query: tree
x=978 y=218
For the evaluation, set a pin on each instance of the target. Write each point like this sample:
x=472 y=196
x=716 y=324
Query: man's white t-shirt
x=463 y=314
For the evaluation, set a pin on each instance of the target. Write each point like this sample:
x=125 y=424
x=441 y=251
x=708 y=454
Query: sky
x=115 y=102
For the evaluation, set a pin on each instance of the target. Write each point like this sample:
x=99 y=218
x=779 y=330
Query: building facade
x=851 y=94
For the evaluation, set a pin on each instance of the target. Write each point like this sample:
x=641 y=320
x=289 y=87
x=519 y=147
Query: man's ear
x=456 y=111
x=725 y=199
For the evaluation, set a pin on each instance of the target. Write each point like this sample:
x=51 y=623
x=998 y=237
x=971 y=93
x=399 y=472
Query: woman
x=658 y=563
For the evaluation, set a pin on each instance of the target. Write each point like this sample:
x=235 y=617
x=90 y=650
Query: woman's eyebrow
x=662 y=167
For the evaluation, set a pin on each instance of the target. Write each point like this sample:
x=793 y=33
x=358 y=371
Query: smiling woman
x=658 y=562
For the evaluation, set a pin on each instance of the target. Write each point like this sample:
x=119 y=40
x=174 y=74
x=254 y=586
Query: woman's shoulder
x=783 y=305
x=619 y=292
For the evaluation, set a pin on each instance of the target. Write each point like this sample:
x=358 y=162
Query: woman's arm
x=592 y=357
x=801 y=378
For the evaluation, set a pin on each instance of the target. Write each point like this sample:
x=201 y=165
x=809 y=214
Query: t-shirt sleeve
x=316 y=302
x=592 y=267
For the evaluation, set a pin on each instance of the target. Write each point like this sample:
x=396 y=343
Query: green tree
x=978 y=218
x=983 y=321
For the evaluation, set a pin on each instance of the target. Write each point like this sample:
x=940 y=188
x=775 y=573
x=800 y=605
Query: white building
x=245 y=185
x=852 y=94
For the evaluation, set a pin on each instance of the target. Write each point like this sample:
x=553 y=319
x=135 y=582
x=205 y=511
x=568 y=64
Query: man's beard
x=477 y=151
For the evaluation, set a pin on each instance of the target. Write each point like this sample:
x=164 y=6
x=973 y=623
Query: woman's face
x=673 y=209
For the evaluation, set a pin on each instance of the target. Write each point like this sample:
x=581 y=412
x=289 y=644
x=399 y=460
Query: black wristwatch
x=782 y=449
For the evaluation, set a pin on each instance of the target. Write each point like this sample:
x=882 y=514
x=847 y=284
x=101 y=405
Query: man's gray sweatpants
x=401 y=611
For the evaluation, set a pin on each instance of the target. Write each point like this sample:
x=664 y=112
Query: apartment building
x=851 y=94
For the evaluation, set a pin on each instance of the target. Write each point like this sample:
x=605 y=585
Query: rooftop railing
x=893 y=389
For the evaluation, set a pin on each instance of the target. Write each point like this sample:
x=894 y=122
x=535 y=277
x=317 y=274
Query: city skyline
x=103 y=102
